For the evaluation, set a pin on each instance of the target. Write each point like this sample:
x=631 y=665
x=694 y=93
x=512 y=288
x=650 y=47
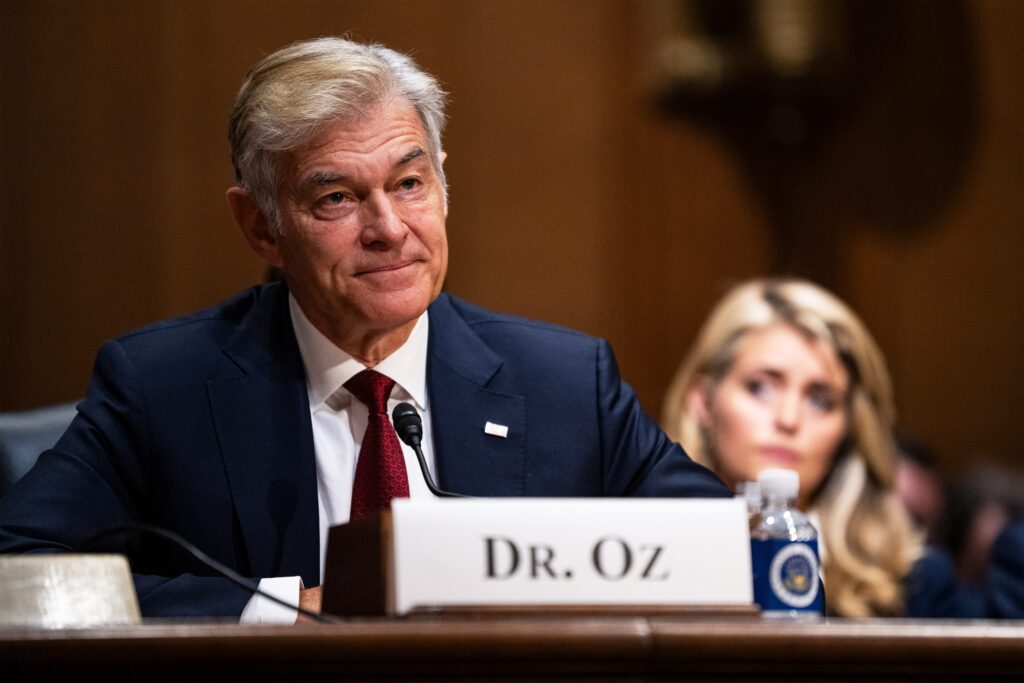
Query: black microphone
x=409 y=426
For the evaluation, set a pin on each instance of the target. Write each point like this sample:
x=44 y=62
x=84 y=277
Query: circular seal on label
x=794 y=575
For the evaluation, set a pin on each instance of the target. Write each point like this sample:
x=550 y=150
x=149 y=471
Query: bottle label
x=786 y=575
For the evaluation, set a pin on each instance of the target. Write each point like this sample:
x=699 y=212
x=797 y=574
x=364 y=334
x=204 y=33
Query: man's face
x=363 y=210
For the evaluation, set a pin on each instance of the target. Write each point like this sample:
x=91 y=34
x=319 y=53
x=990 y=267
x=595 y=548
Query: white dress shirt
x=339 y=422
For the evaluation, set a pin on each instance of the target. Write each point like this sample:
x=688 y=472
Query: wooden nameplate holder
x=361 y=573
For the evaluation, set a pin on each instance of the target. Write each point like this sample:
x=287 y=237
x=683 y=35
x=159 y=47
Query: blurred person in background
x=981 y=505
x=784 y=374
x=976 y=568
x=919 y=483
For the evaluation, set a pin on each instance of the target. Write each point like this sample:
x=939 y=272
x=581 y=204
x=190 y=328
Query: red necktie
x=380 y=471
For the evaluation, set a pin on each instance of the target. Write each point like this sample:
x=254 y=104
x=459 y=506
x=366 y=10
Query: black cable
x=224 y=570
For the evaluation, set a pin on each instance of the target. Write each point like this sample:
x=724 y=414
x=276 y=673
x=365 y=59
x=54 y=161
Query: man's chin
x=394 y=311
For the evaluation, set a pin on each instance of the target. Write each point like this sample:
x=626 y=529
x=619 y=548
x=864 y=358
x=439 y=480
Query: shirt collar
x=328 y=367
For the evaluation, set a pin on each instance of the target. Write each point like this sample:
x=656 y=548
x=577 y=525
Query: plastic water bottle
x=750 y=493
x=784 y=551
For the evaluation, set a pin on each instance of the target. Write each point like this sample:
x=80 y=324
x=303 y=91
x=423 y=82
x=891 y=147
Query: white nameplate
x=558 y=551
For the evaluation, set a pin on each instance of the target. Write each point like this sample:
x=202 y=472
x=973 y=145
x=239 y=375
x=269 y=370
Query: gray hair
x=291 y=95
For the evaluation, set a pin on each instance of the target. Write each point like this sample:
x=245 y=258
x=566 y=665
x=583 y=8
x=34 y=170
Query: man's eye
x=335 y=198
x=410 y=183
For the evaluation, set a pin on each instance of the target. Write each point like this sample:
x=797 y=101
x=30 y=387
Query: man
x=243 y=427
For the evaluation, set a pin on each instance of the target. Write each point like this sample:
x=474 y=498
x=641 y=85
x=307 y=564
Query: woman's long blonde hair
x=869 y=542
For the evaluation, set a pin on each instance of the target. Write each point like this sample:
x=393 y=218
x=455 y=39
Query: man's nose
x=382 y=224
x=787 y=412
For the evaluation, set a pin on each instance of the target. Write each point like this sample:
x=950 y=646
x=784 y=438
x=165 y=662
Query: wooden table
x=552 y=647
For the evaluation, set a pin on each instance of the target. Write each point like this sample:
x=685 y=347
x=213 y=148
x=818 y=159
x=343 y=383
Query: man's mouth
x=399 y=265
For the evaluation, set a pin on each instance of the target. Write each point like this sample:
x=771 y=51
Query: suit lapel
x=461 y=370
x=263 y=427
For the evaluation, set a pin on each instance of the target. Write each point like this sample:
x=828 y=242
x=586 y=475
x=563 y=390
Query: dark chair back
x=26 y=434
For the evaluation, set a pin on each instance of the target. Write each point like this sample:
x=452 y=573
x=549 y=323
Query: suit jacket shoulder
x=570 y=425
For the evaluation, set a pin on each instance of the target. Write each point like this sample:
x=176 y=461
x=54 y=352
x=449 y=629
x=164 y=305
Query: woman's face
x=781 y=404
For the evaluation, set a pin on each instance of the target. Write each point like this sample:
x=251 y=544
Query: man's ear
x=255 y=226
x=698 y=400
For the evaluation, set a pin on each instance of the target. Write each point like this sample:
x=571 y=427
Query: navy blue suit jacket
x=201 y=424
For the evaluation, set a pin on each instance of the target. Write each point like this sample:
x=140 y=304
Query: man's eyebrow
x=323 y=178
x=417 y=152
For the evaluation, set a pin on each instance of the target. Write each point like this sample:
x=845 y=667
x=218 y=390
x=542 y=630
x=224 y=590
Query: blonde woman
x=784 y=374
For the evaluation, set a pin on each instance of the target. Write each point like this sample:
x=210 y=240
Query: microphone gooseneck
x=409 y=426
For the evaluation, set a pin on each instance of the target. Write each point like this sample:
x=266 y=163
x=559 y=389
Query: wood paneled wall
x=571 y=199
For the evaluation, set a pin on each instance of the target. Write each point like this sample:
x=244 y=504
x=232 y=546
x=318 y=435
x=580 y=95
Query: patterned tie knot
x=373 y=389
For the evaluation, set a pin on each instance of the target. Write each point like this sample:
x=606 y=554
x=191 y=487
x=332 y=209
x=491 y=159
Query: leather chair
x=26 y=434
